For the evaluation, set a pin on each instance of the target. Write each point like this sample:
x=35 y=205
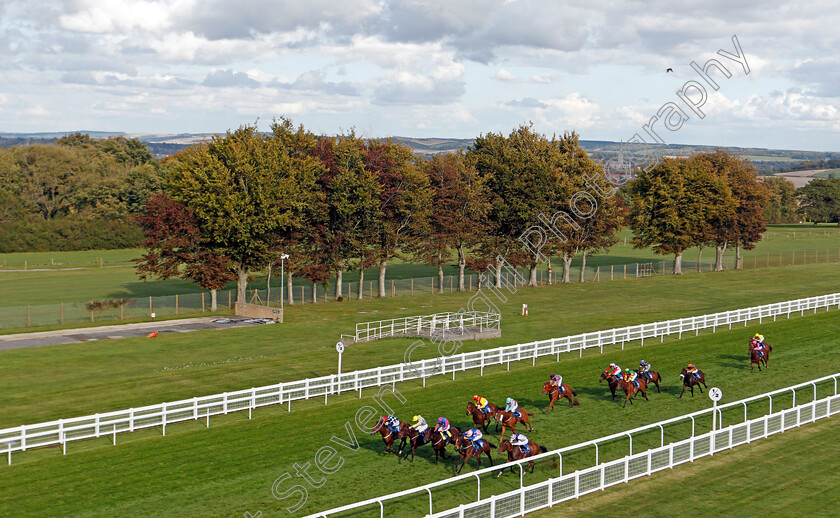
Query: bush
x=67 y=234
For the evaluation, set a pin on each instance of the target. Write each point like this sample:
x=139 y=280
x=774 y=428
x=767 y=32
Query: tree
x=782 y=205
x=820 y=200
x=523 y=177
x=457 y=211
x=404 y=200
x=176 y=248
x=352 y=198
x=245 y=189
x=672 y=201
x=742 y=224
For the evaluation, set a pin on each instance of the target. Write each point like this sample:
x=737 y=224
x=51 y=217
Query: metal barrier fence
x=109 y=424
x=701 y=441
x=423 y=324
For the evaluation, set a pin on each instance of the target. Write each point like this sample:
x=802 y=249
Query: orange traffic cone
x=152 y=335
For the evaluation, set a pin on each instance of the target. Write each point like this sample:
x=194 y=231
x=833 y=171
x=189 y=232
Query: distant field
x=52 y=287
x=830 y=173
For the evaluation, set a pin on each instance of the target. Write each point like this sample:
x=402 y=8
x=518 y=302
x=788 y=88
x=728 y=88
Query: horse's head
x=505 y=446
x=471 y=408
x=603 y=376
x=546 y=388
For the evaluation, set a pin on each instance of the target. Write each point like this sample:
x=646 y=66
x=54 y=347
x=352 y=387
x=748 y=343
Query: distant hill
x=767 y=161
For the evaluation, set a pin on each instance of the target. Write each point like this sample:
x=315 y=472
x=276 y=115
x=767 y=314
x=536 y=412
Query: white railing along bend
x=107 y=424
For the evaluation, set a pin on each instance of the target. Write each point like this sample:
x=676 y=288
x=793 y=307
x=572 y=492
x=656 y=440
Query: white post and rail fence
x=109 y=424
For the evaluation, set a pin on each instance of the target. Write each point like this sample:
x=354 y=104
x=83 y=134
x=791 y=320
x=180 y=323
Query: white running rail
x=634 y=464
x=109 y=424
x=423 y=325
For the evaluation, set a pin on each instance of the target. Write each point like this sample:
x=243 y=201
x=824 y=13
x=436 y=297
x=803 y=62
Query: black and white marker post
x=714 y=394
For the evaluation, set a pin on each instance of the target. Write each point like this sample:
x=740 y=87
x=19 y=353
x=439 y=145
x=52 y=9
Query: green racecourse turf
x=85 y=378
x=50 y=287
x=728 y=483
x=229 y=469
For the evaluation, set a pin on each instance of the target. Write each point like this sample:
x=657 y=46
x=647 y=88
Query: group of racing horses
x=467 y=449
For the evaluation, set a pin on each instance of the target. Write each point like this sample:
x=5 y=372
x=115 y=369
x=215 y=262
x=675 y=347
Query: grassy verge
x=229 y=468
x=92 y=377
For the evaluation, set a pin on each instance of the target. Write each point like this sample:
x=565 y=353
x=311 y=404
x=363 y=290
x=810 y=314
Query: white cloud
x=505 y=76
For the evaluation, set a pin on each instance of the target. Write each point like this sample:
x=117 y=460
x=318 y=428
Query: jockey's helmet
x=475 y=398
x=508 y=400
x=613 y=364
x=642 y=362
x=690 y=365
x=415 y=418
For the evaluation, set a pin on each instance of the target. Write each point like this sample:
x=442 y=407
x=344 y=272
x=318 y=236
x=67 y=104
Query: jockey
x=442 y=426
x=556 y=380
x=630 y=375
x=692 y=370
x=420 y=424
x=481 y=403
x=614 y=370
x=474 y=435
x=511 y=405
x=391 y=422
x=520 y=440
x=644 y=368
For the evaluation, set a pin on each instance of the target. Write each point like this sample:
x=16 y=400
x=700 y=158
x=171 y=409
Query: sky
x=428 y=68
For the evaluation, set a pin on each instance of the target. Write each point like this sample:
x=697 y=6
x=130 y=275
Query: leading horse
x=689 y=380
x=612 y=381
x=758 y=358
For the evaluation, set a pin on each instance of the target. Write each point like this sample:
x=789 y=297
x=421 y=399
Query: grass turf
x=745 y=481
x=91 y=377
x=229 y=468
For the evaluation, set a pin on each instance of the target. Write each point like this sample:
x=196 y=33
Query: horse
x=416 y=439
x=468 y=449
x=439 y=442
x=481 y=418
x=388 y=435
x=554 y=394
x=757 y=358
x=689 y=380
x=509 y=420
x=652 y=377
x=515 y=453
x=612 y=381
x=630 y=389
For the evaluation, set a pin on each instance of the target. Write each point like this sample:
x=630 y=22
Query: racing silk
x=519 y=440
x=421 y=425
x=512 y=406
x=442 y=425
x=693 y=372
x=615 y=371
x=473 y=434
x=644 y=367
x=481 y=403
x=392 y=422
x=557 y=380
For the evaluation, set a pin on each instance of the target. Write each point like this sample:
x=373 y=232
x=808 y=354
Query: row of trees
x=234 y=205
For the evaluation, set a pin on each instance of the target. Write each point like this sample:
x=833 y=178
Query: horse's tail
x=574 y=393
x=529 y=413
x=543 y=449
x=492 y=445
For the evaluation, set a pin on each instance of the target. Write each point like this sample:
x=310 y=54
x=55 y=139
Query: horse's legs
x=657 y=387
x=644 y=393
x=681 y=393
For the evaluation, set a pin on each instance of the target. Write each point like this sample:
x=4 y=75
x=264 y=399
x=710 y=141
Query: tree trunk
x=498 y=275
x=567 y=268
x=549 y=270
x=213 y=305
x=739 y=261
x=242 y=285
x=583 y=267
x=462 y=265
x=361 y=282
x=314 y=292
x=383 y=264
x=268 y=286
x=339 y=279
x=532 y=274
x=678 y=263
x=440 y=278
x=290 y=297
x=700 y=260
x=719 y=250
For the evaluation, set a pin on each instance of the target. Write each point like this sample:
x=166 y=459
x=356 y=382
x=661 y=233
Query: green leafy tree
x=820 y=200
x=782 y=205
x=671 y=203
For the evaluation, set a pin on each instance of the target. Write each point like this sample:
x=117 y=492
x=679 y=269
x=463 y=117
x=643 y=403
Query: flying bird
x=669 y=70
